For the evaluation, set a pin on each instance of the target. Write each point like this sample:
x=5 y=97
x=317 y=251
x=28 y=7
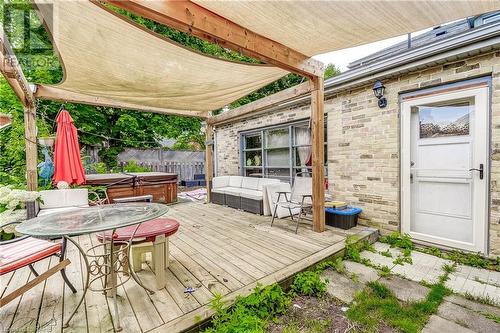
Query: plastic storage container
x=342 y=218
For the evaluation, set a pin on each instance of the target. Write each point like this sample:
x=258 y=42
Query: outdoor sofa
x=245 y=193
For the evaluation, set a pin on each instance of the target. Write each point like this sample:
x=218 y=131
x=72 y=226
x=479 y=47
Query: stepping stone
x=468 y=318
x=340 y=286
x=474 y=306
x=405 y=290
x=364 y=273
x=378 y=259
x=437 y=324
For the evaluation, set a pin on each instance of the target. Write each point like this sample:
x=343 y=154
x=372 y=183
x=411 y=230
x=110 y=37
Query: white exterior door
x=444 y=167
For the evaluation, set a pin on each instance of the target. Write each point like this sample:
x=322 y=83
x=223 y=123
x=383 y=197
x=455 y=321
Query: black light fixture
x=378 y=91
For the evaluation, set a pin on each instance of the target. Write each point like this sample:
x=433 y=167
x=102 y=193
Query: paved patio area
x=217 y=250
x=474 y=306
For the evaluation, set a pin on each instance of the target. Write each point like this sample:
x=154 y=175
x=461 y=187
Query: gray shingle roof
x=436 y=34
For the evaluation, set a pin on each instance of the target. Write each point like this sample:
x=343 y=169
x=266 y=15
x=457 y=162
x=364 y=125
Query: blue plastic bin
x=342 y=218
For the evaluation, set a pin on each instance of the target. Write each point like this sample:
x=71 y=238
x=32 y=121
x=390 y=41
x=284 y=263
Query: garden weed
x=309 y=283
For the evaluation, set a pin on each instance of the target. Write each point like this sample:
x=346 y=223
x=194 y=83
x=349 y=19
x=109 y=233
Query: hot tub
x=161 y=185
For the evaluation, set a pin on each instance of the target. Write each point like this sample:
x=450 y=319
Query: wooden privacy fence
x=184 y=170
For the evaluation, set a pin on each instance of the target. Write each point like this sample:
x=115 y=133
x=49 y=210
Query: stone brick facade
x=363 y=140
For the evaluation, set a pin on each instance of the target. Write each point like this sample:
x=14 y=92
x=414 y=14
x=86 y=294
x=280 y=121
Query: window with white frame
x=277 y=152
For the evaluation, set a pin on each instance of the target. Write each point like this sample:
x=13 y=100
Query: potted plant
x=47 y=141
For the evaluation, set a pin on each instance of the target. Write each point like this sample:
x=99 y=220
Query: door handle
x=481 y=170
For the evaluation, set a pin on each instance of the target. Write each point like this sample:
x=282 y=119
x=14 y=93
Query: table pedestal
x=109 y=263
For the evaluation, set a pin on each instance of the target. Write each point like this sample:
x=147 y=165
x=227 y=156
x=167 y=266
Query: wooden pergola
x=210 y=27
x=192 y=18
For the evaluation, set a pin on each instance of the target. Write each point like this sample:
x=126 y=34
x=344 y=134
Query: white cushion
x=64 y=198
x=266 y=181
x=251 y=194
x=272 y=194
x=232 y=190
x=48 y=211
x=220 y=181
x=52 y=199
x=235 y=181
x=251 y=183
x=77 y=197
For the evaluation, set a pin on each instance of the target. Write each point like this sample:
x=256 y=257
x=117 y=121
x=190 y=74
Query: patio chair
x=287 y=203
x=26 y=251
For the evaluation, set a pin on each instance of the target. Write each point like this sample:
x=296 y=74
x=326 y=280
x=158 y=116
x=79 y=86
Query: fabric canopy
x=104 y=55
x=315 y=27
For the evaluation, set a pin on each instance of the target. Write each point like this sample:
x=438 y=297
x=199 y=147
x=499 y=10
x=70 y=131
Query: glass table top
x=92 y=219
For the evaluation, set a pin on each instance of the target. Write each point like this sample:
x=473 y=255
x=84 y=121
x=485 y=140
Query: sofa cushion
x=233 y=190
x=52 y=199
x=266 y=181
x=74 y=197
x=235 y=181
x=77 y=197
x=48 y=211
x=220 y=181
x=250 y=183
x=251 y=194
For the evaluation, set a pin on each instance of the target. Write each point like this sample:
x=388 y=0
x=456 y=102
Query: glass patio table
x=105 y=260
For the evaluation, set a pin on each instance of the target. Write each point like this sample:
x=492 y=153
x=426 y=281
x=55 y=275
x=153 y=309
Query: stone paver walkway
x=456 y=314
x=476 y=282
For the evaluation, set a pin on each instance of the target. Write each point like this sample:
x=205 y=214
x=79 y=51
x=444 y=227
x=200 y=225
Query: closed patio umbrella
x=67 y=162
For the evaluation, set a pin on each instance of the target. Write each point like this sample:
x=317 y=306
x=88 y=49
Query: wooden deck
x=217 y=250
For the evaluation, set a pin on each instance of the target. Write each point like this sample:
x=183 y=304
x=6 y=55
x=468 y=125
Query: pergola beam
x=56 y=94
x=253 y=108
x=9 y=66
x=191 y=18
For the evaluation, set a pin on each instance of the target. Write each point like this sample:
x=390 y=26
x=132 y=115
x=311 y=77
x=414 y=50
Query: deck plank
x=229 y=238
x=26 y=316
x=217 y=250
x=199 y=272
x=52 y=304
x=98 y=313
x=217 y=271
x=8 y=312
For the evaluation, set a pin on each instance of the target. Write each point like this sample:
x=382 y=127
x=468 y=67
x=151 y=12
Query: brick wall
x=363 y=141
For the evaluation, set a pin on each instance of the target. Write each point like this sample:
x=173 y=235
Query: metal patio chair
x=25 y=251
x=297 y=201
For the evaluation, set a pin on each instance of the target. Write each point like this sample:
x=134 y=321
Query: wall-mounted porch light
x=378 y=91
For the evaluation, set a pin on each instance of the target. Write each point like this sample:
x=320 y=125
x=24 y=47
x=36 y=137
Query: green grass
x=481 y=299
x=377 y=303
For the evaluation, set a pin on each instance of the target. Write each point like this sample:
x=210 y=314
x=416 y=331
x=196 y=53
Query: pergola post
x=31 y=147
x=318 y=153
x=209 y=143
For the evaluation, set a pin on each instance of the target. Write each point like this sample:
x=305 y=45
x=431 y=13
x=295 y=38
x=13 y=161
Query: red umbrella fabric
x=67 y=162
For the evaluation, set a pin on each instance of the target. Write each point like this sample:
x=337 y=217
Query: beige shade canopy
x=314 y=27
x=106 y=56
x=109 y=58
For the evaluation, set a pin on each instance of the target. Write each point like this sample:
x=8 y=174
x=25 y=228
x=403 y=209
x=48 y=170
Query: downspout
x=216 y=156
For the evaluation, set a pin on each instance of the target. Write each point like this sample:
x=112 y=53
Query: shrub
x=309 y=283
